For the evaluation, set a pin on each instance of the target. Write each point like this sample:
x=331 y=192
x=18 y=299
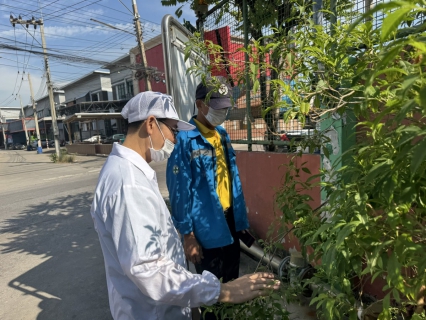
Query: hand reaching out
x=248 y=287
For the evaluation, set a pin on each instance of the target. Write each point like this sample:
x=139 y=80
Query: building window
x=129 y=84
x=95 y=97
x=114 y=93
x=121 y=91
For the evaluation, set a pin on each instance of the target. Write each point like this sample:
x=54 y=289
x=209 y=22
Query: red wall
x=230 y=50
x=154 y=58
x=261 y=175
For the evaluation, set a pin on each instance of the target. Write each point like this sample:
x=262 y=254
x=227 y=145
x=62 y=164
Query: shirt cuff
x=184 y=227
x=211 y=290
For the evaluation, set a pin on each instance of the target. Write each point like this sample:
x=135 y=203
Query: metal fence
x=230 y=30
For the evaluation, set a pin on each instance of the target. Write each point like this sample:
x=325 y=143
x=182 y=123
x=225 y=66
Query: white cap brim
x=184 y=126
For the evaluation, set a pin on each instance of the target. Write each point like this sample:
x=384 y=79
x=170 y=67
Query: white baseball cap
x=156 y=104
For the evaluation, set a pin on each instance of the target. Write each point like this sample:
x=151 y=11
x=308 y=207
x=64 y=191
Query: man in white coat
x=144 y=258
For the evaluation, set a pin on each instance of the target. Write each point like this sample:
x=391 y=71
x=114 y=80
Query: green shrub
x=64 y=157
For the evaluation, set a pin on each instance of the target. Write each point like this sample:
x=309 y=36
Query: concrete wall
x=119 y=73
x=261 y=175
x=43 y=104
x=10 y=114
x=91 y=83
x=89 y=149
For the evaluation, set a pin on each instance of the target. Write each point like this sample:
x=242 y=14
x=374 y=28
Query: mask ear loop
x=152 y=146
x=160 y=129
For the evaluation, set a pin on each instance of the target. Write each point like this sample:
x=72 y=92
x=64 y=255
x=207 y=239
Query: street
x=51 y=264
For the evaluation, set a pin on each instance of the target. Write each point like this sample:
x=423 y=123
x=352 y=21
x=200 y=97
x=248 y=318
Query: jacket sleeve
x=137 y=235
x=179 y=178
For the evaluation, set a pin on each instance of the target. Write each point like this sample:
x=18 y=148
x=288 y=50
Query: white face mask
x=216 y=117
x=165 y=152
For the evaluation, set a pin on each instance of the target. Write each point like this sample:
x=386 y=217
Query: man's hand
x=248 y=287
x=193 y=251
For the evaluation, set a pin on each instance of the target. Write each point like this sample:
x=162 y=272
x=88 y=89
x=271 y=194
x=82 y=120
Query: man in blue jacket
x=208 y=206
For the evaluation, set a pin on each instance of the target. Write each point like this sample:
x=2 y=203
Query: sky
x=69 y=32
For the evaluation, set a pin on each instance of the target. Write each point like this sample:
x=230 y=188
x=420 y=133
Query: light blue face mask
x=163 y=153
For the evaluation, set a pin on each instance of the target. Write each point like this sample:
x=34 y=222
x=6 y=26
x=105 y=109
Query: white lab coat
x=144 y=257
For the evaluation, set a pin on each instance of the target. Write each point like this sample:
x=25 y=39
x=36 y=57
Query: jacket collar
x=193 y=133
x=134 y=157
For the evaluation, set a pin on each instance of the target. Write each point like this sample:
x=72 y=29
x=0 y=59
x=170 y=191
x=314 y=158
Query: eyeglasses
x=174 y=131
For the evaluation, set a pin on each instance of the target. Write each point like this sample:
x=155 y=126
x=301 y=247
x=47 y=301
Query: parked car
x=95 y=138
x=18 y=146
x=115 y=138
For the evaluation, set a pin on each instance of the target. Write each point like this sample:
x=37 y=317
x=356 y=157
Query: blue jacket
x=191 y=180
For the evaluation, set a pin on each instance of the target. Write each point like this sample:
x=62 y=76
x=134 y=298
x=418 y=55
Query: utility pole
x=39 y=148
x=2 y=130
x=138 y=29
x=24 y=122
x=40 y=23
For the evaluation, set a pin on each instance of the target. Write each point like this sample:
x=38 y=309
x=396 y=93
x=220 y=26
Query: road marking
x=71 y=175
x=60 y=177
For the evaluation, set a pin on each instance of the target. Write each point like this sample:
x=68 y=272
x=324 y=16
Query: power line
x=37 y=68
x=79 y=15
x=87 y=5
x=55 y=55
x=102 y=5
x=131 y=12
x=67 y=37
x=39 y=8
x=62 y=19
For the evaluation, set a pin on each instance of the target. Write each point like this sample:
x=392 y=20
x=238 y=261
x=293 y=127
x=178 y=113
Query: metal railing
x=232 y=29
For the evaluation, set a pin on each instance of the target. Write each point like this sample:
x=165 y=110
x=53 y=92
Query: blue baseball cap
x=219 y=98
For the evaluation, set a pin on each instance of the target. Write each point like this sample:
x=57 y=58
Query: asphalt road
x=51 y=264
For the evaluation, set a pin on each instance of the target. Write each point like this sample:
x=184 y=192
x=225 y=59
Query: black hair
x=133 y=126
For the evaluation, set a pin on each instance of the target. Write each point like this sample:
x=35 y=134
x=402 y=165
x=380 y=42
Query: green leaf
x=409 y=105
x=390 y=70
x=347 y=230
x=376 y=170
x=419 y=45
x=326 y=152
x=419 y=156
x=385 y=315
x=265 y=112
x=304 y=169
x=393 y=20
x=422 y=96
x=256 y=86
x=290 y=59
x=390 y=55
x=408 y=82
x=253 y=68
x=317 y=102
x=304 y=107
x=370 y=91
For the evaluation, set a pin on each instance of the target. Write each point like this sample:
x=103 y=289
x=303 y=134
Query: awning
x=92 y=116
